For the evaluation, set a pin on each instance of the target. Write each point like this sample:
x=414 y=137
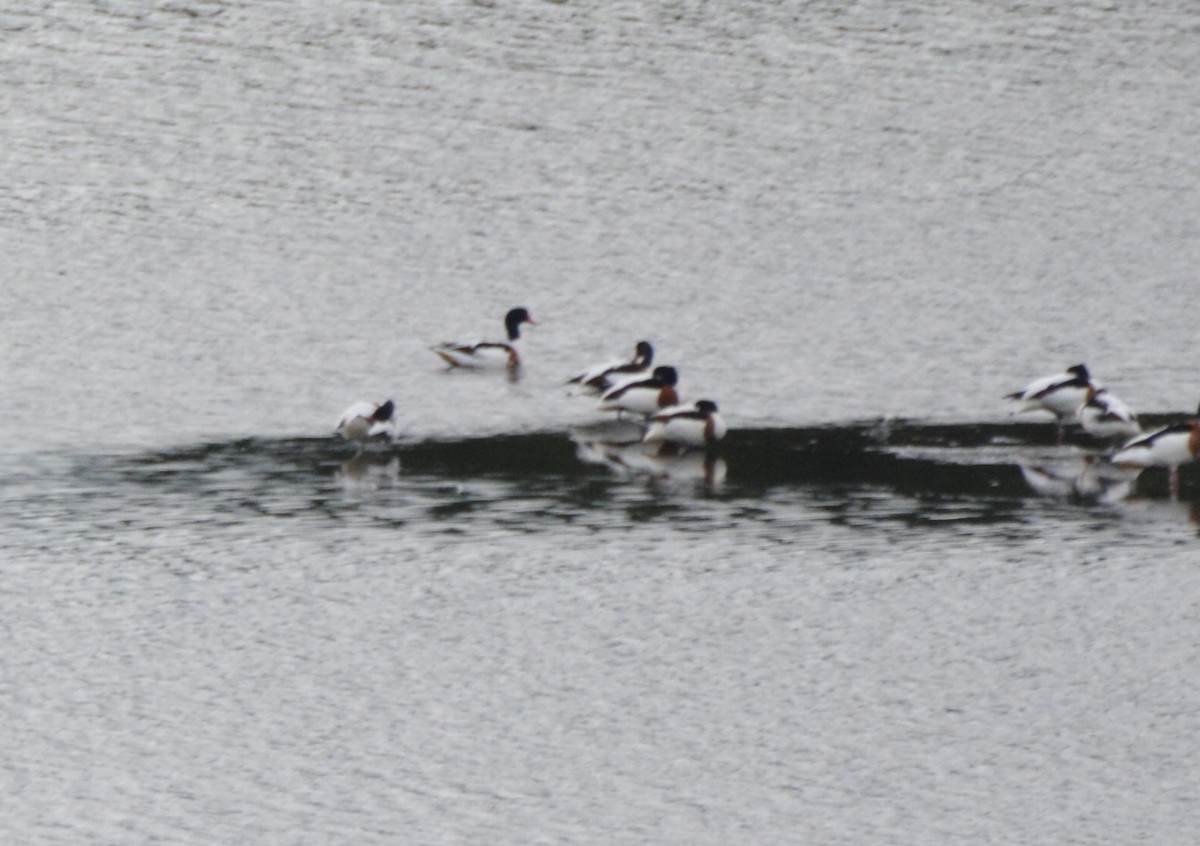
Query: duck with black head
x=644 y=396
x=489 y=354
x=601 y=377
x=700 y=425
x=1169 y=447
x=1061 y=394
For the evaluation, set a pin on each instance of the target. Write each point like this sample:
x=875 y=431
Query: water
x=882 y=611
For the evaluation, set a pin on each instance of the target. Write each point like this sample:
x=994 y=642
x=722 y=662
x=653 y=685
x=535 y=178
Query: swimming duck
x=368 y=422
x=602 y=377
x=1169 y=447
x=1061 y=394
x=643 y=396
x=700 y=425
x=489 y=353
x=1105 y=417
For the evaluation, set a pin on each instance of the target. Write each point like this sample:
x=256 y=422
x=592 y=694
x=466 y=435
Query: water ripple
x=898 y=477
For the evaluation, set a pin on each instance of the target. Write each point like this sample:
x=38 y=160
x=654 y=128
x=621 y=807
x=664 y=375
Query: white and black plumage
x=1105 y=417
x=602 y=377
x=644 y=396
x=700 y=425
x=368 y=422
x=1061 y=394
x=1169 y=447
x=488 y=354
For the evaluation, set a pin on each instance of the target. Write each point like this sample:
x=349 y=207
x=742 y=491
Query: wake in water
x=1011 y=460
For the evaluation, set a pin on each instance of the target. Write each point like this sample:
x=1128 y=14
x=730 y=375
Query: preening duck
x=644 y=396
x=1061 y=394
x=1169 y=447
x=700 y=425
x=368 y=422
x=489 y=353
x=1105 y=417
x=602 y=377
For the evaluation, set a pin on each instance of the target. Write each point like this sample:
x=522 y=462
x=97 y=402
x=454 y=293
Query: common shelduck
x=368 y=422
x=1169 y=447
x=602 y=377
x=700 y=425
x=1061 y=394
x=1106 y=417
x=489 y=353
x=644 y=396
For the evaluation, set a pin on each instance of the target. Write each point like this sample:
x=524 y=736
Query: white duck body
x=1170 y=447
x=1061 y=394
x=368 y=421
x=601 y=377
x=700 y=425
x=489 y=354
x=484 y=355
x=643 y=396
x=1106 y=417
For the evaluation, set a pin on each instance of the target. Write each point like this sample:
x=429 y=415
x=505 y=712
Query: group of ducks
x=635 y=386
x=638 y=387
x=1073 y=394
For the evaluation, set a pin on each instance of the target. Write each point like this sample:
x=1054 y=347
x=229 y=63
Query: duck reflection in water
x=1086 y=478
x=657 y=462
x=369 y=471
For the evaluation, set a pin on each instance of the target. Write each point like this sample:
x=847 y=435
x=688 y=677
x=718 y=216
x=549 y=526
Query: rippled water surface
x=880 y=611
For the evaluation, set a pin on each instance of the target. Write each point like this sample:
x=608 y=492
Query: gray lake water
x=882 y=611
